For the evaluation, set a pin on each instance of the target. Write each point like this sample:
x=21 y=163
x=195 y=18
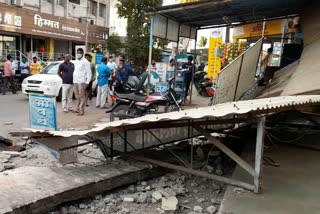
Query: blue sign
x=161 y=87
x=99 y=57
x=42 y=112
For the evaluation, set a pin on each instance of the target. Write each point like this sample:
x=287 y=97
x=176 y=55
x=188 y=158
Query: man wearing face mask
x=81 y=78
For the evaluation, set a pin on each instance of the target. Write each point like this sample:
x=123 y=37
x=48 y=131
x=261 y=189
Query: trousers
x=67 y=93
x=80 y=93
x=102 y=95
x=12 y=84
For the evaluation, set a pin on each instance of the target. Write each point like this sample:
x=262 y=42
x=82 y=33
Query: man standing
x=103 y=79
x=25 y=69
x=81 y=79
x=65 y=71
x=189 y=66
x=93 y=78
x=263 y=66
x=113 y=68
x=8 y=76
x=35 y=66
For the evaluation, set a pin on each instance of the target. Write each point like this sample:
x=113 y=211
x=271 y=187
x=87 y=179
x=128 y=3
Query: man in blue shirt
x=122 y=76
x=25 y=69
x=104 y=74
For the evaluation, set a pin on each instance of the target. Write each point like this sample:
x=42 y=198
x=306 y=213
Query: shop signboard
x=42 y=112
x=273 y=27
x=161 y=69
x=31 y=22
x=214 y=54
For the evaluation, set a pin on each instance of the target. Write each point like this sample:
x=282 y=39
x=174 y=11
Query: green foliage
x=138 y=29
x=203 y=41
x=115 y=45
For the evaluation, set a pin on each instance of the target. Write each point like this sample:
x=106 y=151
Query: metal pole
x=87 y=25
x=194 y=67
x=150 y=54
x=259 y=154
x=176 y=59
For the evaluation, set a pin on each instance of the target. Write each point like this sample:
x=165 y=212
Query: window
x=74 y=1
x=102 y=10
x=93 y=7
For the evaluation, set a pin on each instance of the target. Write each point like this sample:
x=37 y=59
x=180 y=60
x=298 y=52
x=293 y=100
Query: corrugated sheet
x=214 y=112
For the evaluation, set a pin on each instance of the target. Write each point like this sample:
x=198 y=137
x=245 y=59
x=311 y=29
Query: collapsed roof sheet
x=267 y=105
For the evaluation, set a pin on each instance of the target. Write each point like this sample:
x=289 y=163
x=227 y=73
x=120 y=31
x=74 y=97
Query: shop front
x=30 y=32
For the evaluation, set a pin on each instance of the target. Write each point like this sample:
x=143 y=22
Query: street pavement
x=14 y=115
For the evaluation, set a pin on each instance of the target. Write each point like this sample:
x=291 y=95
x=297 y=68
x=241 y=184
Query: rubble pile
x=172 y=193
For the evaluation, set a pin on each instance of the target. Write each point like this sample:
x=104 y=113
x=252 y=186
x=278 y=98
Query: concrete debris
x=211 y=209
x=201 y=200
x=148 y=188
x=129 y=200
x=200 y=153
x=9 y=165
x=1 y=168
x=144 y=183
x=168 y=204
x=81 y=149
x=156 y=196
x=168 y=193
x=216 y=201
x=11 y=153
x=197 y=209
x=23 y=155
x=143 y=198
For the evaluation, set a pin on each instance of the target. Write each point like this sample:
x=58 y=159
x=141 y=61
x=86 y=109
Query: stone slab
x=40 y=189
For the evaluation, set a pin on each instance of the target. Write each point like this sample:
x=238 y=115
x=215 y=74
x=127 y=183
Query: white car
x=46 y=82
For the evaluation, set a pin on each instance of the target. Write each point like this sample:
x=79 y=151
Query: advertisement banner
x=42 y=113
x=161 y=69
x=214 y=54
x=273 y=27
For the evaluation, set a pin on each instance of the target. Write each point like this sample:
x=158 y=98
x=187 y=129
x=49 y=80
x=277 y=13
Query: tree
x=115 y=45
x=203 y=41
x=138 y=29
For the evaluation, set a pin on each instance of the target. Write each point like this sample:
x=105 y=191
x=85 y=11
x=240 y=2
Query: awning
x=227 y=12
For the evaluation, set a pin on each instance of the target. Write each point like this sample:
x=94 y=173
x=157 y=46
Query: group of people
x=25 y=71
x=78 y=78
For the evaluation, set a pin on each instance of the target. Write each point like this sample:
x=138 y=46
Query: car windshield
x=50 y=69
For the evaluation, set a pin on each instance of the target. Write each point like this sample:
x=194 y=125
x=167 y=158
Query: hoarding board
x=214 y=60
x=42 y=112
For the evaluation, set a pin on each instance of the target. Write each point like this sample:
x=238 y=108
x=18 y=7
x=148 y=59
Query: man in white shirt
x=113 y=68
x=81 y=79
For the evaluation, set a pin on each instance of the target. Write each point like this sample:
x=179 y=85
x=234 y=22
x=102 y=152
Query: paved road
x=15 y=109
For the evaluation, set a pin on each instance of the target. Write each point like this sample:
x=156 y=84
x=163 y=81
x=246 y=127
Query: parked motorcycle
x=203 y=84
x=136 y=105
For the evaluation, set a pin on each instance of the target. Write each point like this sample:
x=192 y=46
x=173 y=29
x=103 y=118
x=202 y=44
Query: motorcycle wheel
x=123 y=109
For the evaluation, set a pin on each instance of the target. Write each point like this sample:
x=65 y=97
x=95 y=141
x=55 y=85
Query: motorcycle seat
x=134 y=97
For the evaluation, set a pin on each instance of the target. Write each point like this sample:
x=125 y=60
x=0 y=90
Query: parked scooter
x=136 y=105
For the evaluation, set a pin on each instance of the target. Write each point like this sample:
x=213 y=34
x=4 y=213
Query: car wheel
x=59 y=97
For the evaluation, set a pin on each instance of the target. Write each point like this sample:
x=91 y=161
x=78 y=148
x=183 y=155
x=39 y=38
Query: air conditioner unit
x=19 y=3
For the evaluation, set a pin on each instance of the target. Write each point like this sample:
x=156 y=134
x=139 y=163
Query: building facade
x=50 y=28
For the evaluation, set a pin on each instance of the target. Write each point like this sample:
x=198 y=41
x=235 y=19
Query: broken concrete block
x=168 y=204
x=148 y=188
x=216 y=201
x=144 y=183
x=168 y=193
x=197 y=209
x=23 y=155
x=128 y=200
x=9 y=165
x=156 y=195
x=11 y=153
x=201 y=200
x=81 y=149
x=211 y=209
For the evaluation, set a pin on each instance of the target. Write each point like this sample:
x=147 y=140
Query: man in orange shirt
x=35 y=66
x=8 y=76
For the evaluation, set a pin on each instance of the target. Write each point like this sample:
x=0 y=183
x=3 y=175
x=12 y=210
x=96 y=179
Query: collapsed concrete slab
x=40 y=189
